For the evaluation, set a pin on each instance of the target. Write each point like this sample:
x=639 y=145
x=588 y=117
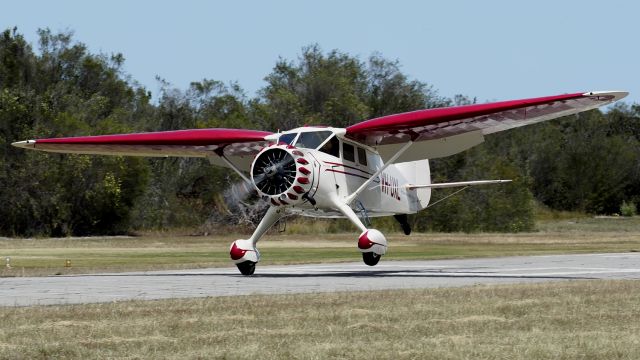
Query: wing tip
x=26 y=144
x=614 y=95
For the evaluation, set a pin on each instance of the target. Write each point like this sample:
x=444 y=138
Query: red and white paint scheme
x=378 y=167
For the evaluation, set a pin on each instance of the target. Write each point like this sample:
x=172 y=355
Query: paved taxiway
x=23 y=291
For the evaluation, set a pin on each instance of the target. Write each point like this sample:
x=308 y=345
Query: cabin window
x=348 y=152
x=313 y=139
x=331 y=147
x=362 y=156
x=287 y=138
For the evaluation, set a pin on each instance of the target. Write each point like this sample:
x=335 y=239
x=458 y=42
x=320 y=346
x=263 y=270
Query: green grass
x=576 y=223
x=563 y=320
x=156 y=252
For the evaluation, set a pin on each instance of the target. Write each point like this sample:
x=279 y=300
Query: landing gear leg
x=371 y=243
x=244 y=252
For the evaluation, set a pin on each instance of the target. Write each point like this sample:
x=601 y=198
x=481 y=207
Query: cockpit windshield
x=287 y=138
x=312 y=139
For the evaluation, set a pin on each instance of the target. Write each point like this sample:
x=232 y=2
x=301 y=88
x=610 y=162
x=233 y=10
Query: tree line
x=587 y=163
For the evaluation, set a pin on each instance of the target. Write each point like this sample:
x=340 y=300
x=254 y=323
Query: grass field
x=559 y=320
x=564 y=320
x=155 y=252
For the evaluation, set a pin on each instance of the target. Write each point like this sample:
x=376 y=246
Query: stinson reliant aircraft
x=378 y=167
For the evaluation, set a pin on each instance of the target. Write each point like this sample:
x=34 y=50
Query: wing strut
x=455 y=184
x=231 y=165
x=355 y=194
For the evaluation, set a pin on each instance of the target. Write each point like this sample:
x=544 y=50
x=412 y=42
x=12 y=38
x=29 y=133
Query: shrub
x=628 y=209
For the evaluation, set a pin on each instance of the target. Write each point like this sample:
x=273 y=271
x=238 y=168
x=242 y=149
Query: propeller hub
x=271 y=171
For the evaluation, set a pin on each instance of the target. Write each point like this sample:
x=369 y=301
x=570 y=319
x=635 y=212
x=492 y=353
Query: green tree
x=587 y=163
x=185 y=192
x=61 y=92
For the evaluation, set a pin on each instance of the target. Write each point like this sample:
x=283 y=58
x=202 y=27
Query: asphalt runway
x=24 y=291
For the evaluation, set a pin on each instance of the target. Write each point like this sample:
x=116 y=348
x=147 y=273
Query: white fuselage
x=339 y=174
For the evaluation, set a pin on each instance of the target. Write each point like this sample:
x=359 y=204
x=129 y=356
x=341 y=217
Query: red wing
x=241 y=144
x=191 y=143
x=432 y=124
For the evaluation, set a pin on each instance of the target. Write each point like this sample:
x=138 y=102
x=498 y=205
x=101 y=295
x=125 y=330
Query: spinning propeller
x=280 y=175
x=274 y=171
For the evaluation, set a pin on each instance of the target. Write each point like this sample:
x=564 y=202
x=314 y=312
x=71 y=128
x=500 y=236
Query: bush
x=628 y=209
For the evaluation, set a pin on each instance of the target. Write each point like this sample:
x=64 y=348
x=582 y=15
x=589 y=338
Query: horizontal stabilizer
x=456 y=184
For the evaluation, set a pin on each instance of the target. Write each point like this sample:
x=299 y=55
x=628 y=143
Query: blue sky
x=493 y=50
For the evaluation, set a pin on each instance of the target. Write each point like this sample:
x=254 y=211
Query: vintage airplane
x=378 y=167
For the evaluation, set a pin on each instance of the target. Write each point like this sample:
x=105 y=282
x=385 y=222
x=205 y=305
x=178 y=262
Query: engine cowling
x=282 y=174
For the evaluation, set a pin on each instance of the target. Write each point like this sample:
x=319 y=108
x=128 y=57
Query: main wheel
x=247 y=267
x=370 y=258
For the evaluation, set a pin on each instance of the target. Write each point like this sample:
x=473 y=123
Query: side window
x=331 y=147
x=362 y=156
x=287 y=138
x=348 y=152
x=312 y=139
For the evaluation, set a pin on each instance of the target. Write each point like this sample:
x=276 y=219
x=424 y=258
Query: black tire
x=371 y=258
x=247 y=267
x=406 y=228
x=404 y=223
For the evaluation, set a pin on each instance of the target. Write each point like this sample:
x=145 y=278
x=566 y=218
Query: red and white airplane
x=377 y=167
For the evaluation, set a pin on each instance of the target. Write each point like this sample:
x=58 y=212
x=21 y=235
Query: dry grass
x=34 y=257
x=565 y=320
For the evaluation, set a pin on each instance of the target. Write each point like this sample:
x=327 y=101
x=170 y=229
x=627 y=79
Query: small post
x=67 y=263
x=8 y=261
